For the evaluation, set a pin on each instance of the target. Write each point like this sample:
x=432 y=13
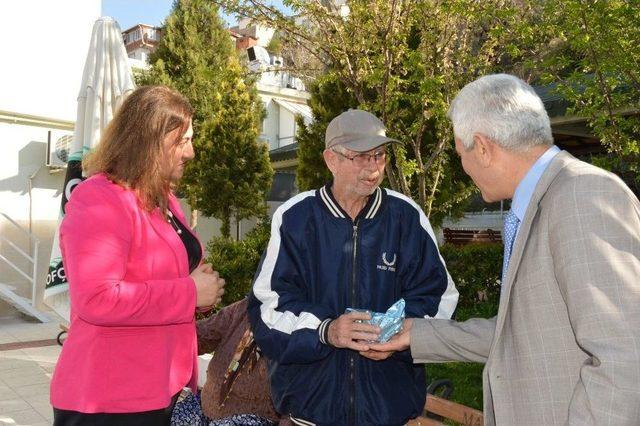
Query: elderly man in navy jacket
x=349 y=244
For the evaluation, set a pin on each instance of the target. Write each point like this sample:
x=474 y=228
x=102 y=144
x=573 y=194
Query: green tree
x=328 y=99
x=595 y=65
x=231 y=173
x=404 y=60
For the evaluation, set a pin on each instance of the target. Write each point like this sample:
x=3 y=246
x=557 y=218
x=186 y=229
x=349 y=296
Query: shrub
x=476 y=270
x=237 y=261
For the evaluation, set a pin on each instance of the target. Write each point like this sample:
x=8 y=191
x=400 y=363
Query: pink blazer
x=132 y=342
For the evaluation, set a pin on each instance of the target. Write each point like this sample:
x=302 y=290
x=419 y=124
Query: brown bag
x=237 y=379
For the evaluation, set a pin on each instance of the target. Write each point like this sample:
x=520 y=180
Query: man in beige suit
x=565 y=345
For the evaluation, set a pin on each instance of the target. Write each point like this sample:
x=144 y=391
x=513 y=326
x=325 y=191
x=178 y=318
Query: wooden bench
x=449 y=410
x=461 y=237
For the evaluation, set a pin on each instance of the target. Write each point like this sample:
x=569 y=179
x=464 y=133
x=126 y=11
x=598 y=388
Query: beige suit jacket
x=565 y=345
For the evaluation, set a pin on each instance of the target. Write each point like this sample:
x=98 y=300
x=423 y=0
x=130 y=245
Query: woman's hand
x=209 y=286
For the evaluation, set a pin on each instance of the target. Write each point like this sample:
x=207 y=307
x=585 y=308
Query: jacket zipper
x=353 y=266
x=352 y=361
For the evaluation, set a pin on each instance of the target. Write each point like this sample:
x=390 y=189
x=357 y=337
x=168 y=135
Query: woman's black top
x=191 y=243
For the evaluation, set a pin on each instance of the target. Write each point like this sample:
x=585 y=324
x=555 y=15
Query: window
x=132 y=36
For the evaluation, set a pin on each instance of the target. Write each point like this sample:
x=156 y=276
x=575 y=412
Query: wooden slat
x=467 y=416
x=424 y=421
x=466 y=236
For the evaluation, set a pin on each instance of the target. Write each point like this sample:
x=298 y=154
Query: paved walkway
x=28 y=353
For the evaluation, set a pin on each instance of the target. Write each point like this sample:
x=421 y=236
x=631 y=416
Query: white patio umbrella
x=106 y=81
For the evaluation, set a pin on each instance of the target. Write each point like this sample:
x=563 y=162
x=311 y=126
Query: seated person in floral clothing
x=236 y=391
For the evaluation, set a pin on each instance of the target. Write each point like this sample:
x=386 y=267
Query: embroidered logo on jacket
x=388 y=265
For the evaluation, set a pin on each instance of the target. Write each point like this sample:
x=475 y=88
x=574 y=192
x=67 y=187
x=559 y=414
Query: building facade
x=283 y=95
x=140 y=41
x=37 y=109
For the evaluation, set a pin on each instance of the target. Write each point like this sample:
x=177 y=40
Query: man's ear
x=331 y=159
x=486 y=149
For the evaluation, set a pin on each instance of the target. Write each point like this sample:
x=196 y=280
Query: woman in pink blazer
x=134 y=271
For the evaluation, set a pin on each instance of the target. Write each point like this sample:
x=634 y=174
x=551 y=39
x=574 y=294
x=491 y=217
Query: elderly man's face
x=359 y=174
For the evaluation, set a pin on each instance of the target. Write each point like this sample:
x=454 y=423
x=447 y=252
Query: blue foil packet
x=390 y=322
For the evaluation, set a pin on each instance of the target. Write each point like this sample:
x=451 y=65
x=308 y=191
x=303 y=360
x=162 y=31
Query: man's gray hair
x=339 y=148
x=503 y=108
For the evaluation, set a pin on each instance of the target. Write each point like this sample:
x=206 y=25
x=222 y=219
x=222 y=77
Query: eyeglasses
x=362 y=159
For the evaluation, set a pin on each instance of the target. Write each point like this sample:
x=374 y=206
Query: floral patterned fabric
x=188 y=412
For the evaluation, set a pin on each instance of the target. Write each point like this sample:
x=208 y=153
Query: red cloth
x=132 y=342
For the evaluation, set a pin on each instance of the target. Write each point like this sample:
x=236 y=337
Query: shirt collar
x=527 y=185
x=368 y=212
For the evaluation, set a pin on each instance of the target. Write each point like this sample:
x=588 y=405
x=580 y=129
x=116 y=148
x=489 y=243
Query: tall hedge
x=476 y=270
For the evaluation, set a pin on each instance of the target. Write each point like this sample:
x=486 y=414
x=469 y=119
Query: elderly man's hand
x=348 y=331
x=376 y=355
x=399 y=342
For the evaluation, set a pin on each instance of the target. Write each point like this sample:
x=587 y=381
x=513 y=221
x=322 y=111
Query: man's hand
x=376 y=355
x=347 y=331
x=399 y=342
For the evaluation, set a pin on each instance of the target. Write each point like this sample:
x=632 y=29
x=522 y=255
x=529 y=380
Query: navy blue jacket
x=318 y=263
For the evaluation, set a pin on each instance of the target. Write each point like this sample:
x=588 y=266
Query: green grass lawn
x=466 y=378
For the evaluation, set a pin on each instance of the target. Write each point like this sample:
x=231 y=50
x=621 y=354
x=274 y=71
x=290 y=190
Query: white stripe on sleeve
x=286 y=322
x=449 y=298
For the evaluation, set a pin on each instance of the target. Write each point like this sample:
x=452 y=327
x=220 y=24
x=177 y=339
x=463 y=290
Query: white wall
x=44 y=45
x=141 y=54
x=22 y=154
x=209 y=227
x=287 y=126
x=270 y=123
x=264 y=35
x=279 y=127
x=279 y=122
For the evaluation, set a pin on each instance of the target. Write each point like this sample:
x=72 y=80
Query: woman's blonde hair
x=130 y=152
